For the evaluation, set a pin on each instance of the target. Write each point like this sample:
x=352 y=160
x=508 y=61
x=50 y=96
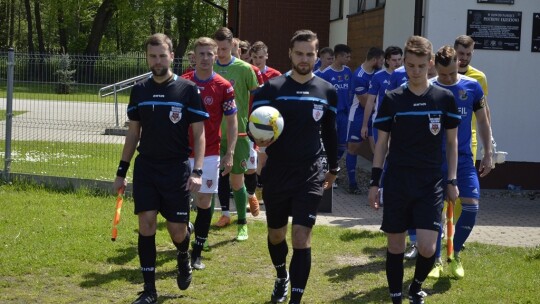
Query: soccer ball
x=265 y=123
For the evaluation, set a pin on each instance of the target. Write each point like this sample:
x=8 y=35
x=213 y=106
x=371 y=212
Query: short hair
x=392 y=50
x=304 y=36
x=341 y=49
x=158 y=39
x=374 y=52
x=190 y=53
x=446 y=55
x=464 y=40
x=326 y=50
x=204 y=41
x=419 y=46
x=223 y=34
x=259 y=46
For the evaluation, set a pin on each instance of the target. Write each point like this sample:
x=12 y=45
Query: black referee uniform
x=413 y=182
x=161 y=169
x=293 y=175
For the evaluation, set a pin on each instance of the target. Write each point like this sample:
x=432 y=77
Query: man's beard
x=302 y=70
x=159 y=71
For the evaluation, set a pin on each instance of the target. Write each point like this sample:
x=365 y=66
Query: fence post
x=9 y=112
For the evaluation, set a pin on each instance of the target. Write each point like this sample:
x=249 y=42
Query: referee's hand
x=374 y=197
x=329 y=180
x=194 y=183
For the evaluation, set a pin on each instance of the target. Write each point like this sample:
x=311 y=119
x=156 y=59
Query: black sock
x=147 y=257
x=394 y=275
x=299 y=272
x=183 y=247
x=278 y=254
x=224 y=192
x=423 y=267
x=250 y=181
x=202 y=225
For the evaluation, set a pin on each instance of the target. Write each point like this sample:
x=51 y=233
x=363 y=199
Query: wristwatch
x=197 y=171
x=452 y=182
x=334 y=171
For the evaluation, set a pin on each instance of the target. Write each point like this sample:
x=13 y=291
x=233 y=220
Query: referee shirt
x=165 y=111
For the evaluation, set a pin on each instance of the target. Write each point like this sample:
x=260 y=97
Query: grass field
x=56 y=248
x=80 y=92
x=15 y=113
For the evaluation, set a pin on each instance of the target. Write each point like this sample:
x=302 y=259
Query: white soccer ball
x=265 y=123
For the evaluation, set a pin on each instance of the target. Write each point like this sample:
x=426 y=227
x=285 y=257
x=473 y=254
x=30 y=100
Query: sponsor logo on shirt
x=158 y=96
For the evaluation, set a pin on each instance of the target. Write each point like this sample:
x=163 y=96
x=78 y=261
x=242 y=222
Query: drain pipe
x=418 y=17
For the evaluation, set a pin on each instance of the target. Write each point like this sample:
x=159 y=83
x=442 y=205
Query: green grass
x=56 y=248
x=75 y=160
x=80 y=93
x=15 y=113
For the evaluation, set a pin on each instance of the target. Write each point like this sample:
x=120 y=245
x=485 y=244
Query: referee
x=293 y=176
x=416 y=116
x=161 y=109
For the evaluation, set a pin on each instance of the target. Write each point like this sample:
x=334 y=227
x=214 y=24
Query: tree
x=29 y=32
x=99 y=25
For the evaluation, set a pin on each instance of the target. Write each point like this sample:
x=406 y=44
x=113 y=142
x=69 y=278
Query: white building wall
x=339 y=28
x=513 y=76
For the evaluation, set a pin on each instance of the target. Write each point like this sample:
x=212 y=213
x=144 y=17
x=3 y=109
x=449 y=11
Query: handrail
x=120 y=86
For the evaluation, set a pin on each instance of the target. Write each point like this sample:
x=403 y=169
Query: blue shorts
x=355 y=128
x=467 y=176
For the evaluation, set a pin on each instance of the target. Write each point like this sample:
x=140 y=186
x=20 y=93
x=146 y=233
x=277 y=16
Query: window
x=336 y=10
x=359 y=6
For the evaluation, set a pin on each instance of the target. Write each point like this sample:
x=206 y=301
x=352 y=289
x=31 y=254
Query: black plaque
x=495 y=30
x=496 y=1
x=535 y=44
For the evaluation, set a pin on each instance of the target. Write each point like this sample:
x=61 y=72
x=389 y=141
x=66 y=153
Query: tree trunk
x=62 y=33
x=152 y=24
x=11 y=36
x=184 y=13
x=101 y=21
x=39 y=29
x=28 y=10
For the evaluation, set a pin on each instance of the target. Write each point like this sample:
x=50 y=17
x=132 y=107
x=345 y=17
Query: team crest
x=434 y=125
x=208 y=100
x=463 y=95
x=243 y=164
x=252 y=159
x=232 y=82
x=209 y=183
x=317 y=112
x=175 y=114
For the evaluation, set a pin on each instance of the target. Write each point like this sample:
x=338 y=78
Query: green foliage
x=65 y=75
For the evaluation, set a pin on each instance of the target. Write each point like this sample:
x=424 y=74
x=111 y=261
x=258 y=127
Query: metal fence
x=60 y=126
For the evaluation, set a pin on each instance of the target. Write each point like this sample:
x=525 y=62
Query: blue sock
x=350 y=162
x=438 y=247
x=464 y=225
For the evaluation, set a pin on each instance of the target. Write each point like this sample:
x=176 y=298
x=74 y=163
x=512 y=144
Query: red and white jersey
x=269 y=73
x=259 y=74
x=217 y=95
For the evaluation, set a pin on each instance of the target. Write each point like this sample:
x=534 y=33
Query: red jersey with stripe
x=217 y=95
x=269 y=73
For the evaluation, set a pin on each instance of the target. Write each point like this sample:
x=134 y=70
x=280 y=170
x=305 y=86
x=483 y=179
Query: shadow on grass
x=379 y=294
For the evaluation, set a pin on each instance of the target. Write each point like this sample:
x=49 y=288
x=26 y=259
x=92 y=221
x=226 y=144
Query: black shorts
x=162 y=187
x=413 y=198
x=292 y=190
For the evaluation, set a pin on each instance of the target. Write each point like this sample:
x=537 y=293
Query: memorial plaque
x=495 y=30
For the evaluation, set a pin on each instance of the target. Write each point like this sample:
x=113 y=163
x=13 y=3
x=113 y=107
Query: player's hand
x=226 y=164
x=374 y=197
x=452 y=193
x=364 y=132
x=264 y=143
x=485 y=165
x=194 y=183
x=119 y=183
x=329 y=180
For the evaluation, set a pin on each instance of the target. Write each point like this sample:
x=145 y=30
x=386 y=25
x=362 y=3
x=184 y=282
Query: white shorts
x=210 y=175
x=252 y=161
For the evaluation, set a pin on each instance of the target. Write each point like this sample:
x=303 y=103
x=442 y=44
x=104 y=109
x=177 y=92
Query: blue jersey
x=317 y=65
x=341 y=80
x=378 y=86
x=398 y=78
x=469 y=98
x=360 y=86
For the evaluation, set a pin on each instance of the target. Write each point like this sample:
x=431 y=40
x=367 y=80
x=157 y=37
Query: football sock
x=278 y=255
x=439 y=244
x=212 y=206
x=350 y=163
x=183 y=247
x=202 y=225
x=421 y=271
x=394 y=275
x=250 y=181
x=240 y=200
x=465 y=224
x=299 y=272
x=224 y=192
x=147 y=257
